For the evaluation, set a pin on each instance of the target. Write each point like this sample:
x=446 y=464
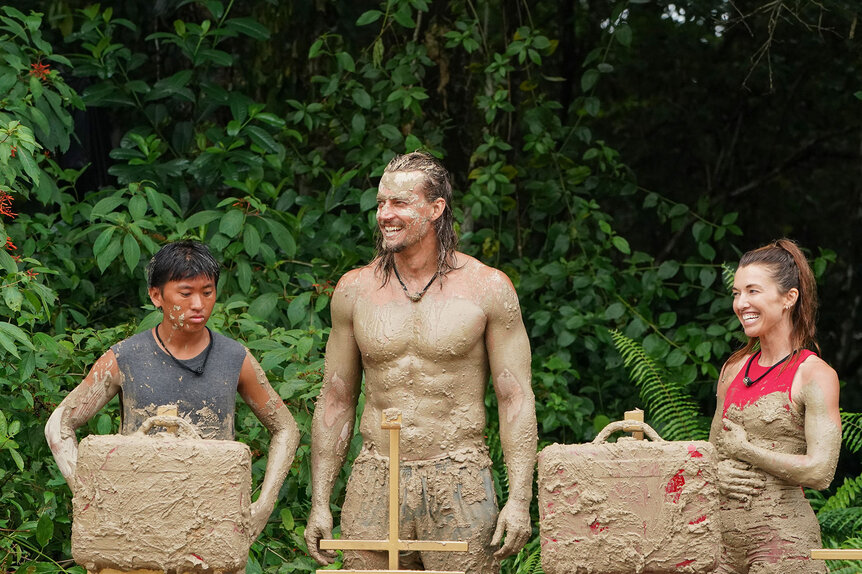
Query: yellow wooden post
x=392 y=422
x=635 y=415
x=169 y=411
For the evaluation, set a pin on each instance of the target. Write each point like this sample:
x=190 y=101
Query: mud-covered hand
x=259 y=516
x=734 y=440
x=514 y=522
x=737 y=480
x=319 y=526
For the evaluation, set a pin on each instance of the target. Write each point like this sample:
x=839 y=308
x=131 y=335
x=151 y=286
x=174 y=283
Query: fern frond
x=854 y=543
x=842 y=567
x=669 y=404
x=528 y=561
x=848 y=495
x=840 y=523
x=846 y=566
x=533 y=564
x=851 y=425
x=727 y=273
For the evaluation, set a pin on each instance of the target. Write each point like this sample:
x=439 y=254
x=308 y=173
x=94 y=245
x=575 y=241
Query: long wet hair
x=437 y=184
x=789 y=268
x=182 y=260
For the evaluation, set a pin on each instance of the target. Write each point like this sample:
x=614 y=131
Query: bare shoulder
x=352 y=281
x=350 y=286
x=490 y=288
x=486 y=278
x=816 y=371
x=105 y=369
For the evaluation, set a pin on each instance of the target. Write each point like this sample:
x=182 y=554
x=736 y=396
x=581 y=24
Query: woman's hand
x=734 y=440
x=737 y=480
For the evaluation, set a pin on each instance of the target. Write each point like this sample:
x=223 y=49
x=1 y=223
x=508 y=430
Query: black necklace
x=415 y=297
x=200 y=370
x=747 y=380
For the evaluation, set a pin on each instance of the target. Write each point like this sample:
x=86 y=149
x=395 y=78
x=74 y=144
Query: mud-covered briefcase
x=169 y=502
x=630 y=507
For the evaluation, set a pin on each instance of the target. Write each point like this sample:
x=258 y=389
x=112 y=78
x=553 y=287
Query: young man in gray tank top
x=181 y=362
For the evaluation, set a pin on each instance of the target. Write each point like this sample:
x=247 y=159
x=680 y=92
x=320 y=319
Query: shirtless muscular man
x=426 y=325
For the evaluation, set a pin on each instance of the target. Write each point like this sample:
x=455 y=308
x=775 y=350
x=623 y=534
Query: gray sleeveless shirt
x=151 y=378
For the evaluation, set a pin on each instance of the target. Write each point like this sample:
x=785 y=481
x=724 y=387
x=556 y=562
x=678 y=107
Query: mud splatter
x=633 y=506
x=123 y=482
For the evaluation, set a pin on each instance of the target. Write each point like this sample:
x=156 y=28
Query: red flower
x=6 y=204
x=31 y=273
x=40 y=70
x=47 y=153
x=9 y=245
x=14 y=151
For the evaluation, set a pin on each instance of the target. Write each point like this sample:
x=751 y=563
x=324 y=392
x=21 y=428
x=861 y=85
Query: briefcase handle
x=627 y=426
x=185 y=428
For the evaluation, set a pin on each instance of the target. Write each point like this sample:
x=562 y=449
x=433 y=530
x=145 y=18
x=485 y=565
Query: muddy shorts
x=445 y=498
x=772 y=535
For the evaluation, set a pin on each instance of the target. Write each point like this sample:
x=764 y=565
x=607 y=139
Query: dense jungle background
x=613 y=158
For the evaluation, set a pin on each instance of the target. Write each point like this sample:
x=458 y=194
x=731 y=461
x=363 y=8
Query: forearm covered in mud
x=282 y=448
x=332 y=429
x=518 y=439
x=256 y=391
x=335 y=409
x=79 y=406
x=510 y=358
x=816 y=467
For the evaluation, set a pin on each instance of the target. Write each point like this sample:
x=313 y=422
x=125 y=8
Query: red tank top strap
x=779 y=380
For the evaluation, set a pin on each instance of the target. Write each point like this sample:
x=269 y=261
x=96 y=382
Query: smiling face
x=404 y=215
x=186 y=303
x=758 y=302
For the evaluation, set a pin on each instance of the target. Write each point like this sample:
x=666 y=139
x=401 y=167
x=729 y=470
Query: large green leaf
x=131 y=251
x=44 y=529
x=231 y=222
x=263 y=306
x=249 y=27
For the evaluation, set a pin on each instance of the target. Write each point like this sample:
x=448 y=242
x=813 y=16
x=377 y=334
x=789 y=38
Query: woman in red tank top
x=777 y=425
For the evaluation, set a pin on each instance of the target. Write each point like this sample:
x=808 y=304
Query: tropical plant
x=265 y=141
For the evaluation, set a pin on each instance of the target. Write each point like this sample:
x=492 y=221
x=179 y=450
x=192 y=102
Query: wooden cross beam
x=836 y=554
x=392 y=422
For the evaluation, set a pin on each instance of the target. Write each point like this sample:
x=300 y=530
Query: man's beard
x=391 y=249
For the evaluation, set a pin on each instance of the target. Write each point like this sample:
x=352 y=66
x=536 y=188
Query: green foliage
x=268 y=148
x=35 y=102
x=851 y=429
x=529 y=560
x=841 y=525
x=840 y=517
x=673 y=410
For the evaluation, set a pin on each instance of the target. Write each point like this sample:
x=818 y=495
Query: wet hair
x=181 y=260
x=437 y=184
x=789 y=268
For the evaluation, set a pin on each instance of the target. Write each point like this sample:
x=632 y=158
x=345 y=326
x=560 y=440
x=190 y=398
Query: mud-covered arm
x=255 y=390
x=509 y=360
x=817 y=390
x=334 y=416
x=98 y=387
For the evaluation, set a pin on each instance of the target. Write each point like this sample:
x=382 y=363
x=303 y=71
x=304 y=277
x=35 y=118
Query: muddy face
x=404 y=216
x=187 y=304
